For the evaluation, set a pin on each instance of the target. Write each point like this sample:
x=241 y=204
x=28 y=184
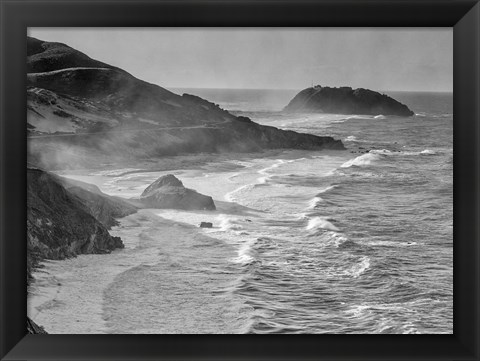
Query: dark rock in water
x=345 y=100
x=206 y=225
x=59 y=225
x=169 y=192
x=33 y=328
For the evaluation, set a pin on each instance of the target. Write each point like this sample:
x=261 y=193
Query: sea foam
x=363 y=160
x=320 y=222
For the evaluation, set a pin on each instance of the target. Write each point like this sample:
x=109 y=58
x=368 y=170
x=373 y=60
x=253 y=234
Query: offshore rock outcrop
x=345 y=100
x=169 y=192
x=59 y=224
x=80 y=110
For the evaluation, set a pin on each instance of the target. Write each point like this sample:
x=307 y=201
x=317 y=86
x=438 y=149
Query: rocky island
x=345 y=100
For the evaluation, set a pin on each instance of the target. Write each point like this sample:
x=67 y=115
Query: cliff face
x=79 y=110
x=106 y=209
x=59 y=225
x=169 y=192
x=346 y=100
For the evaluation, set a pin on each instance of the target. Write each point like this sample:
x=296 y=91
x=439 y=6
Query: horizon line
x=299 y=89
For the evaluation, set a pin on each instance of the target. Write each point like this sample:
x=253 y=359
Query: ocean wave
x=228 y=223
x=314 y=202
x=433 y=115
x=363 y=160
x=428 y=152
x=355 y=116
x=350 y=138
x=390 y=243
x=244 y=256
x=335 y=239
x=360 y=310
x=382 y=151
x=320 y=222
x=229 y=197
x=377 y=154
x=352 y=268
x=358 y=268
x=116 y=172
x=380 y=116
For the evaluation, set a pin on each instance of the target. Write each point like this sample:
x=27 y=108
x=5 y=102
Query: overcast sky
x=271 y=58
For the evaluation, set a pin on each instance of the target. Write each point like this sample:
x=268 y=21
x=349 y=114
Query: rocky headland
x=63 y=223
x=345 y=100
x=81 y=111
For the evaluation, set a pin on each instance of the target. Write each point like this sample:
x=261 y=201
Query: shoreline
x=57 y=294
x=71 y=296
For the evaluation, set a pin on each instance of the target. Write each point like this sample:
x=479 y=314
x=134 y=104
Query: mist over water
x=303 y=241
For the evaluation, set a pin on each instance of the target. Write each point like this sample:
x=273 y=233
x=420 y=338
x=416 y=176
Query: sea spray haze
x=321 y=223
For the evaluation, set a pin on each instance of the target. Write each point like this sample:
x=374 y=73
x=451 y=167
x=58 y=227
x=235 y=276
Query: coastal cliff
x=106 y=209
x=61 y=223
x=80 y=109
x=345 y=100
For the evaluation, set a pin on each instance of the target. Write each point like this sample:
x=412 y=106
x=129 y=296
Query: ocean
x=334 y=242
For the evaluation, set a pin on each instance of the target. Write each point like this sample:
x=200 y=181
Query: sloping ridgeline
x=80 y=109
x=345 y=100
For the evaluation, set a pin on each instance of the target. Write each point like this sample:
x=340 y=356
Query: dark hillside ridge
x=60 y=224
x=80 y=110
x=106 y=209
x=45 y=56
x=345 y=100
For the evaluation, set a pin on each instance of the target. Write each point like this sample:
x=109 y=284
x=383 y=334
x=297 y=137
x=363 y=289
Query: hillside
x=80 y=109
x=63 y=223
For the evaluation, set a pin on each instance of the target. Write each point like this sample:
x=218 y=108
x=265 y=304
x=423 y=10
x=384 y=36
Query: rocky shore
x=67 y=217
x=62 y=223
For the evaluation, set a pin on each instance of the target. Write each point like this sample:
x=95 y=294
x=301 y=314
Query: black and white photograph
x=239 y=180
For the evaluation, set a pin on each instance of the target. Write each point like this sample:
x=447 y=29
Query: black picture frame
x=462 y=15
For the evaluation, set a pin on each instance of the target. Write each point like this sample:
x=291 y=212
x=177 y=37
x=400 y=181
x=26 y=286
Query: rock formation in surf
x=169 y=192
x=81 y=112
x=345 y=100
